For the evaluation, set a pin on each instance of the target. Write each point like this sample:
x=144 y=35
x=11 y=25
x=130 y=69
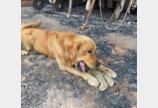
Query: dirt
x=43 y=85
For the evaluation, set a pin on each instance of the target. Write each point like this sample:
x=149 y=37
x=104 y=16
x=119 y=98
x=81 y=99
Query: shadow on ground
x=45 y=86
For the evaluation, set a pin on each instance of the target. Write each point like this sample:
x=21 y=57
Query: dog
x=74 y=53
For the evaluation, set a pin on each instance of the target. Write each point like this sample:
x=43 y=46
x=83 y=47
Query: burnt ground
x=43 y=85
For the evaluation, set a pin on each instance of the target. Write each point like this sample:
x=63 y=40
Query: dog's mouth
x=82 y=66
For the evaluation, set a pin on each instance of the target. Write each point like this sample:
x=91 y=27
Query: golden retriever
x=73 y=52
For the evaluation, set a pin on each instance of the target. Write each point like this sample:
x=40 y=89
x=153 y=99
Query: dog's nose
x=97 y=63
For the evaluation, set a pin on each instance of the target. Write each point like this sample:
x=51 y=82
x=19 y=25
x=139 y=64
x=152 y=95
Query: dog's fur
x=66 y=47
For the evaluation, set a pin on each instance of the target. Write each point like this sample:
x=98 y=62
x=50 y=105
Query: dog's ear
x=71 y=50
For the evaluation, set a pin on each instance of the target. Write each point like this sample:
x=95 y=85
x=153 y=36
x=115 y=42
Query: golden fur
x=66 y=47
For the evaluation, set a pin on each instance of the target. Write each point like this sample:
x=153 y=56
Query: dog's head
x=82 y=54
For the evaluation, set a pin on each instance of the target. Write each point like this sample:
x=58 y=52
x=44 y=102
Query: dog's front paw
x=24 y=52
x=93 y=82
x=110 y=73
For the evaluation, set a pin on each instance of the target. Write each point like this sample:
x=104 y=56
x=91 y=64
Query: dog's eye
x=90 y=51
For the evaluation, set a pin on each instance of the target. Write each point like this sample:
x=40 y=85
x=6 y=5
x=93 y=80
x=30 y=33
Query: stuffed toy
x=103 y=79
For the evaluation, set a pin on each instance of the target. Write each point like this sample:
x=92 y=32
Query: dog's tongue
x=83 y=66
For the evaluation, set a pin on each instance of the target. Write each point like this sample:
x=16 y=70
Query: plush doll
x=103 y=79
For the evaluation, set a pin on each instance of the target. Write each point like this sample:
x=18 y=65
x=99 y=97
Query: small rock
x=132 y=70
x=79 y=99
x=25 y=85
x=28 y=62
x=134 y=85
x=129 y=23
x=41 y=57
x=116 y=62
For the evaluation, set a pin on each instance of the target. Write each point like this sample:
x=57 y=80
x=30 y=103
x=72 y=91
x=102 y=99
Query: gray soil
x=43 y=85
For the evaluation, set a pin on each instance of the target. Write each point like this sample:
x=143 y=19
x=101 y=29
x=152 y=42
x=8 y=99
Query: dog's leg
x=107 y=71
x=86 y=76
x=85 y=25
x=70 y=8
x=27 y=42
x=63 y=66
x=23 y=52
